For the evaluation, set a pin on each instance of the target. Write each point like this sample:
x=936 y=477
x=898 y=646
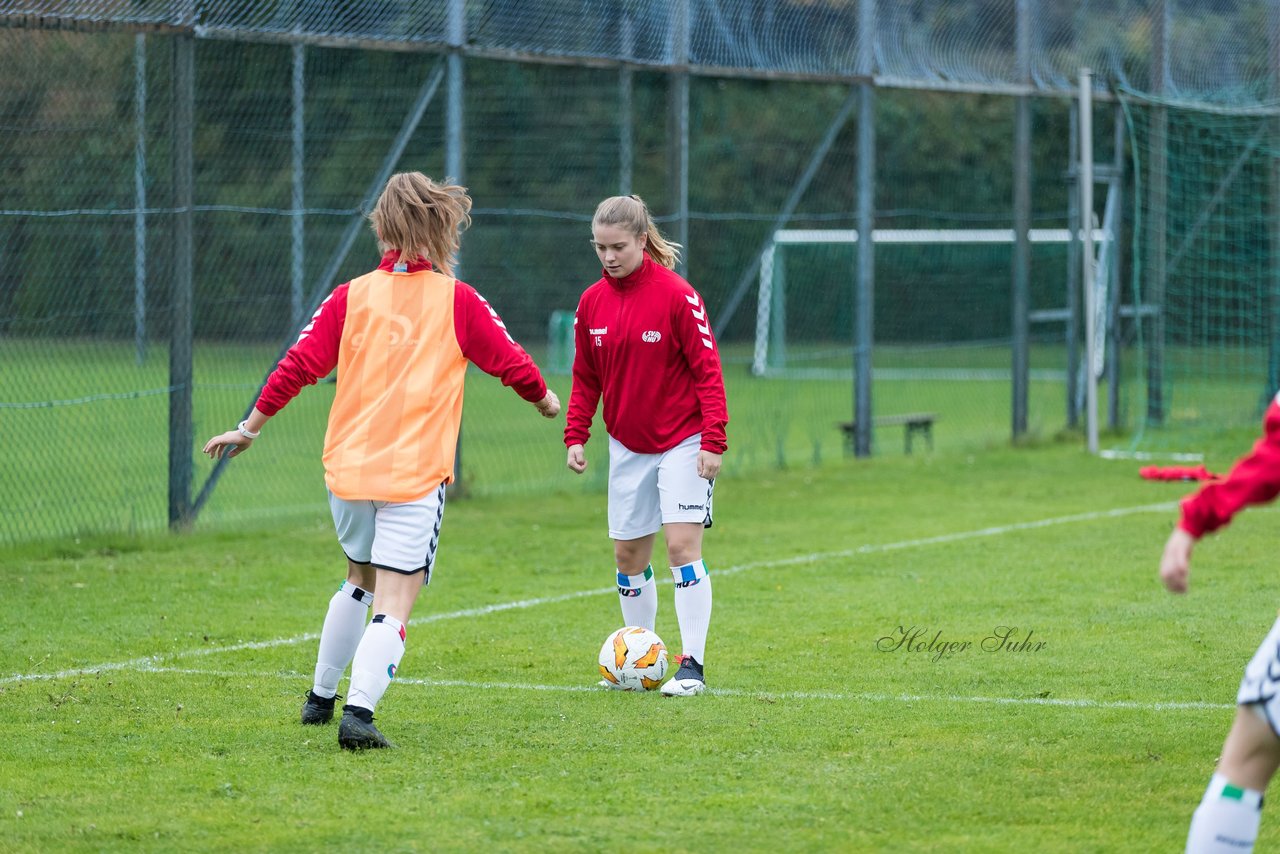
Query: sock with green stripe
x=639 y=598
x=693 y=607
x=1226 y=820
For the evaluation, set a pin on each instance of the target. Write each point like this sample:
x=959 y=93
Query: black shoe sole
x=362 y=739
x=357 y=743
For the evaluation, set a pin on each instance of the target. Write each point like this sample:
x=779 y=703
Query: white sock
x=693 y=607
x=377 y=659
x=343 y=626
x=639 y=597
x=1226 y=820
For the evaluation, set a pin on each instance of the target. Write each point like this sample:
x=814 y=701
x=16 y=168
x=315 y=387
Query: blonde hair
x=418 y=216
x=631 y=214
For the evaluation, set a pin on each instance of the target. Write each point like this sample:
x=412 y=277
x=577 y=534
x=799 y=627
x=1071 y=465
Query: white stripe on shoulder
x=306 y=330
x=497 y=321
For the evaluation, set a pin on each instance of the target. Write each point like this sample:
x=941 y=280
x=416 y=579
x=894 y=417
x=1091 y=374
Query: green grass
x=183 y=662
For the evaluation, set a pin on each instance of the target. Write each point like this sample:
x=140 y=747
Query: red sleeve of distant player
x=313 y=356
x=486 y=343
x=584 y=397
x=699 y=347
x=1254 y=479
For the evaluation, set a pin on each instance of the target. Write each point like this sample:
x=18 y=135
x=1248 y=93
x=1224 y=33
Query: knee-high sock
x=693 y=606
x=639 y=597
x=343 y=626
x=1226 y=820
x=377 y=659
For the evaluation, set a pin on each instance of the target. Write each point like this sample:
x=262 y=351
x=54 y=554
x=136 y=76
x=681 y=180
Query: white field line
x=766 y=696
x=154 y=660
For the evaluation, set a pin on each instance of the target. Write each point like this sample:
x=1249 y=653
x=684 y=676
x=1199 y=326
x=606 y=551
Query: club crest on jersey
x=651 y=337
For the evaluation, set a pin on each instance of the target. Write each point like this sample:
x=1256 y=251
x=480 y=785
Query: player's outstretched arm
x=1175 y=563
x=235 y=442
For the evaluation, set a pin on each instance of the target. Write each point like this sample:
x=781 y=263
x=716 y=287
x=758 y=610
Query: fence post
x=679 y=106
x=1157 y=213
x=626 y=129
x=864 y=312
x=454 y=156
x=1021 y=227
x=1087 y=269
x=298 y=230
x=181 y=430
x=140 y=198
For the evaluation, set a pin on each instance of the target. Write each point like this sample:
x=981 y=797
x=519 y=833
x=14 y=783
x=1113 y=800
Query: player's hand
x=549 y=406
x=577 y=459
x=708 y=465
x=1175 y=563
x=232 y=443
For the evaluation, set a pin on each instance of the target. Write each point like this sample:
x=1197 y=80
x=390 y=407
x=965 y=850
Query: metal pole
x=679 y=95
x=1073 y=269
x=1086 y=242
x=1273 y=302
x=1157 y=214
x=454 y=158
x=626 y=132
x=1021 y=301
x=1117 y=280
x=140 y=198
x=864 y=311
x=181 y=430
x=298 y=255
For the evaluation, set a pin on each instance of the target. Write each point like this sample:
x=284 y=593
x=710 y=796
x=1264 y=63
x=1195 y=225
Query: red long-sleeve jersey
x=482 y=337
x=1254 y=479
x=644 y=343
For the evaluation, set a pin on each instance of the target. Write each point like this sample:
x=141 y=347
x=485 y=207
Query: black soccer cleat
x=357 y=732
x=688 y=681
x=317 y=710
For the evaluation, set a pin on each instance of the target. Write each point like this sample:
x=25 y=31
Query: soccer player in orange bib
x=1231 y=810
x=643 y=342
x=401 y=338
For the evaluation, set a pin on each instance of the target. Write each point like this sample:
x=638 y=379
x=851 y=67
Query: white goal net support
x=771 y=356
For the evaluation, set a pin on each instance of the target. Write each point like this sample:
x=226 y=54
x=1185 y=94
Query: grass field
x=150 y=685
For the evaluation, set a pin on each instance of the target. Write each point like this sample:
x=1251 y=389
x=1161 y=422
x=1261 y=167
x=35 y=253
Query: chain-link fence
x=733 y=118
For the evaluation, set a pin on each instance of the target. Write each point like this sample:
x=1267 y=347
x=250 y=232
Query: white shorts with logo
x=1261 y=682
x=647 y=491
x=399 y=536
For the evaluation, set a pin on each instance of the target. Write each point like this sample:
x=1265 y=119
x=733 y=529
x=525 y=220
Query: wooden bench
x=912 y=423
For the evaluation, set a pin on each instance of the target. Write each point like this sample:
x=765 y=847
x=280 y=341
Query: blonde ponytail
x=632 y=215
x=418 y=216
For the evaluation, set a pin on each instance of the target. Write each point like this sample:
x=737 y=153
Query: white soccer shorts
x=399 y=536
x=1261 y=682
x=646 y=491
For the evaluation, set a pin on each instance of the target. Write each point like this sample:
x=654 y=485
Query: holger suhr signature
x=937 y=647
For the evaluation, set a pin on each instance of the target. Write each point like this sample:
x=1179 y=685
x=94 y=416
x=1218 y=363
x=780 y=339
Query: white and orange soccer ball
x=633 y=659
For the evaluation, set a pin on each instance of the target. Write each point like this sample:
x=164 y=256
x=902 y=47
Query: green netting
x=1203 y=358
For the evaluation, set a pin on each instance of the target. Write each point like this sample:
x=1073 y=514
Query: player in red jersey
x=1231 y=810
x=400 y=338
x=643 y=342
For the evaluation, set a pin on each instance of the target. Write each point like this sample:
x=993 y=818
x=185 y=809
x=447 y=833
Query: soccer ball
x=633 y=659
